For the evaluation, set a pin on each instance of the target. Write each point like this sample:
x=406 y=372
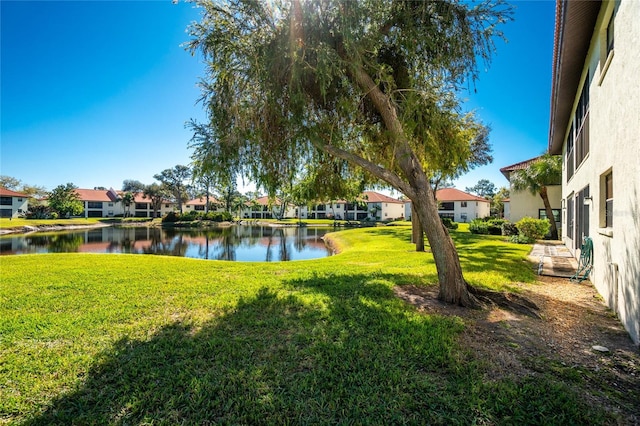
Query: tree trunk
x=417 y=233
x=549 y=211
x=453 y=288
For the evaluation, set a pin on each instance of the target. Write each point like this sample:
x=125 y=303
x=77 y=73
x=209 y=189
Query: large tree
x=372 y=82
x=484 y=188
x=155 y=193
x=536 y=178
x=10 y=182
x=65 y=201
x=176 y=180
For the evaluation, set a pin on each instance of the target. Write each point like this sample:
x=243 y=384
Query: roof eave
x=575 y=21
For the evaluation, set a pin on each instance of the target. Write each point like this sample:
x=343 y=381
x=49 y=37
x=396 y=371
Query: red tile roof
x=376 y=197
x=9 y=193
x=506 y=171
x=94 y=195
x=201 y=201
x=110 y=196
x=452 y=194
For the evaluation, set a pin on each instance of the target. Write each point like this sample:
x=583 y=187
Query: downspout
x=616 y=284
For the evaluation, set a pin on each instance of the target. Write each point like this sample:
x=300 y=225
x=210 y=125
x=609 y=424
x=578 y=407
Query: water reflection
x=240 y=243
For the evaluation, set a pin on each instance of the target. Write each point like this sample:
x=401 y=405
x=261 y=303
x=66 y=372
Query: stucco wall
x=526 y=204
x=614 y=126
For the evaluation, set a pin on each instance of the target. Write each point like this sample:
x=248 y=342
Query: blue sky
x=94 y=93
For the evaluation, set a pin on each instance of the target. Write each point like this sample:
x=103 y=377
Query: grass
x=20 y=222
x=122 y=339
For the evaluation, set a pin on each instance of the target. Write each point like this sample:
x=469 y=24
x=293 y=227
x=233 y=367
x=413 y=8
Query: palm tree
x=535 y=178
x=126 y=200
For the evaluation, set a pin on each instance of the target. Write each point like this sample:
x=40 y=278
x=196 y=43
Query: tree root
x=508 y=301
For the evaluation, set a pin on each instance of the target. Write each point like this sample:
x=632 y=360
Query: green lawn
x=19 y=223
x=130 y=339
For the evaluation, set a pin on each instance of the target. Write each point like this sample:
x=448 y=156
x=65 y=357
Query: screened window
x=608 y=209
x=542 y=214
x=610 y=34
x=570 y=216
x=582 y=124
x=446 y=206
x=94 y=204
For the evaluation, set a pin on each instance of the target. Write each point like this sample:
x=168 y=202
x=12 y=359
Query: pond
x=239 y=243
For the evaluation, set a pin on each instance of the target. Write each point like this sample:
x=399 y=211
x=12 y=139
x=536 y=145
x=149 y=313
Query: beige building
x=595 y=125
x=525 y=204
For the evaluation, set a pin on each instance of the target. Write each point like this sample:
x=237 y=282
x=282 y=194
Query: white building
x=525 y=204
x=370 y=205
x=106 y=203
x=12 y=204
x=595 y=125
x=458 y=206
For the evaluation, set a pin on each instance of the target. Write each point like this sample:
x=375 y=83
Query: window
x=608 y=197
x=19 y=200
x=607 y=35
x=6 y=201
x=578 y=138
x=94 y=204
x=542 y=214
x=449 y=215
x=570 y=216
x=610 y=34
x=582 y=214
x=463 y=204
x=141 y=206
x=446 y=206
x=569 y=155
x=110 y=204
x=199 y=207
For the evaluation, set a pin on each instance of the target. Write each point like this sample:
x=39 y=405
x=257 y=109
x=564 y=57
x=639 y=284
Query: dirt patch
x=572 y=319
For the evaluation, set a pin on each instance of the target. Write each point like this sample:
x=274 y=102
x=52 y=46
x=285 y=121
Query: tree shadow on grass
x=273 y=359
x=334 y=349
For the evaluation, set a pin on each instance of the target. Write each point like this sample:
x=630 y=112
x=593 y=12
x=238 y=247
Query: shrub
x=171 y=217
x=533 y=228
x=478 y=226
x=450 y=224
x=521 y=239
x=218 y=216
x=189 y=216
x=509 y=229
x=494 y=226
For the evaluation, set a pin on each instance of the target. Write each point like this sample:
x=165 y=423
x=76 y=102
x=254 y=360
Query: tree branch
x=380 y=172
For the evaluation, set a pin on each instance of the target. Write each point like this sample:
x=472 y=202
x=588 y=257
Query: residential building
x=594 y=124
x=525 y=204
x=260 y=208
x=370 y=205
x=12 y=203
x=458 y=205
x=107 y=203
x=199 y=205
